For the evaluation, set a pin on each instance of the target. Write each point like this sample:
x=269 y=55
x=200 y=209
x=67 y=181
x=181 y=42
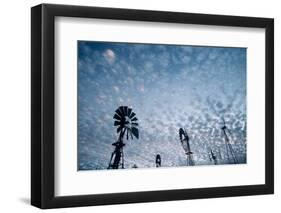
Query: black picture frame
x=43 y=102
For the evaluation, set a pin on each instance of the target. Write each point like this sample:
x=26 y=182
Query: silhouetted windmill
x=158 y=160
x=229 y=150
x=126 y=123
x=213 y=157
x=185 y=144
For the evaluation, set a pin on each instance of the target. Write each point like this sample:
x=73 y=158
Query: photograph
x=133 y=105
x=147 y=105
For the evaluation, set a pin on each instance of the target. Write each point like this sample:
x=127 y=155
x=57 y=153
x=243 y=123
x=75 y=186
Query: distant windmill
x=158 y=160
x=231 y=157
x=229 y=150
x=213 y=157
x=126 y=123
x=186 y=146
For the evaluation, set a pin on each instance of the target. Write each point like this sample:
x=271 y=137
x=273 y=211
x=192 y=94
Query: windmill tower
x=230 y=154
x=229 y=150
x=186 y=146
x=126 y=123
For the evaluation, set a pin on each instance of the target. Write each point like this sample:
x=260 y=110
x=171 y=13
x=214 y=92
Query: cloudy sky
x=168 y=87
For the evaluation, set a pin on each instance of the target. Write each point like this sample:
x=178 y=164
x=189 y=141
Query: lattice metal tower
x=186 y=146
x=229 y=150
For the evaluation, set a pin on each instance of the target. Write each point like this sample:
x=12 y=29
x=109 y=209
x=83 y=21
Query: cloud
x=109 y=56
x=141 y=88
x=116 y=88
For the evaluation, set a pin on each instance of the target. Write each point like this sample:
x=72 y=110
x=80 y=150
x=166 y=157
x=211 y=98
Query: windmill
x=126 y=124
x=213 y=157
x=158 y=160
x=229 y=150
x=185 y=144
x=230 y=154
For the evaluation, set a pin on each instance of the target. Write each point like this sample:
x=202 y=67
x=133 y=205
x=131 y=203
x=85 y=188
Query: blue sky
x=168 y=87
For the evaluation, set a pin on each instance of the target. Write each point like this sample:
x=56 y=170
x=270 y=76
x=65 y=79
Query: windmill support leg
x=190 y=161
x=227 y=153
x=109 y=165
x=233 y=154
x=122 y=156
x=116 y=161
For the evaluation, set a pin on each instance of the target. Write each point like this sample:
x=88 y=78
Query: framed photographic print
x=140 y=106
